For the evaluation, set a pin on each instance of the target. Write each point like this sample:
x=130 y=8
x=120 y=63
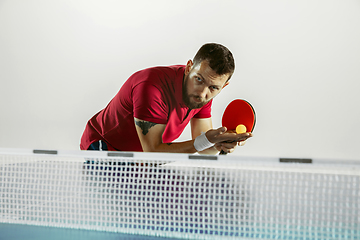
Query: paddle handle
x=222 y=152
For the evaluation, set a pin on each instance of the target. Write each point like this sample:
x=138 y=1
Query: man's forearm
x=181 y=147
x=174 y=147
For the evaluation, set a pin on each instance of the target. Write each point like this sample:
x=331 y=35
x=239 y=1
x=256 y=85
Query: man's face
x=201 y=84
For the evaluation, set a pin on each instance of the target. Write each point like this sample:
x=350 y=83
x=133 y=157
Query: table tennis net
x=180 y=195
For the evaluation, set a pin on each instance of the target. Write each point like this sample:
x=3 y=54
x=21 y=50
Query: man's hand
x=226 y=141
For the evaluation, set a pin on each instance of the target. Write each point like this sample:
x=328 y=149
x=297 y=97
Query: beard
x=187 y=98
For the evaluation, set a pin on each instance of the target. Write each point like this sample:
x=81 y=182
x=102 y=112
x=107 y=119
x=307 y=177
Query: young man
x=154 y=106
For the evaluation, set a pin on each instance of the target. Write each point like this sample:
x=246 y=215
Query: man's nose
x=203 y=92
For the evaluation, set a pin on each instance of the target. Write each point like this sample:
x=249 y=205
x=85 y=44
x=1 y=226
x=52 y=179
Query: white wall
x=298 y=62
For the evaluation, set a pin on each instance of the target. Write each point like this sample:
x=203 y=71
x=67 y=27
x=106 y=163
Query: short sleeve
x=149 y=104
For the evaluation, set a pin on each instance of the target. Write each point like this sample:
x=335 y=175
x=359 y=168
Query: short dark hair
x=220 y=58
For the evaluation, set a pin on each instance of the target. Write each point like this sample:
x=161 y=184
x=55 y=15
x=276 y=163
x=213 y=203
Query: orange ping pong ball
x=240 y=129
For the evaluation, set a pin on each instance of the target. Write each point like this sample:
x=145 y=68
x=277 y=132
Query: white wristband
x=201 y=143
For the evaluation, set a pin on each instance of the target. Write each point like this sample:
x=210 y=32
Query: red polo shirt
x=154 y=95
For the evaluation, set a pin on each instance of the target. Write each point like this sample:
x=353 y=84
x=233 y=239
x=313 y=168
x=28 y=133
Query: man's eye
x=214 y=88
x=198 y=79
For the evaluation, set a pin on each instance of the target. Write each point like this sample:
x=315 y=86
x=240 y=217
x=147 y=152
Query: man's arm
x=150 y=135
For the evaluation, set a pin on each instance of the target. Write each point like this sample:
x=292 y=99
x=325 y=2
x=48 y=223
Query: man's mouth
x=197 y=99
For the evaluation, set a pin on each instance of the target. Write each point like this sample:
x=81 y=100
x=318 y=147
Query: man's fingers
x=221 y=135
x=244 y=136
x=227 y=147
x=233 y=137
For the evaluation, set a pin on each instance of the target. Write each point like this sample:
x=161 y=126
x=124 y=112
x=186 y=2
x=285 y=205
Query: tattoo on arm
x=145 y=126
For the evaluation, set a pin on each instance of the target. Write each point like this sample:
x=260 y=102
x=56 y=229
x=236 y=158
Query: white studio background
x=297 y=62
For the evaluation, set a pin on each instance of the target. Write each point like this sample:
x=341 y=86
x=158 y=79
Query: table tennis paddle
x=239 y=115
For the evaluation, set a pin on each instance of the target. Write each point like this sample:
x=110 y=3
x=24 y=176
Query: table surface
x=28 y=232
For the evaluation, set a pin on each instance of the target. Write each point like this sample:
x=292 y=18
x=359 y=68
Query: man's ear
x=227 y=83
x=188 y=67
